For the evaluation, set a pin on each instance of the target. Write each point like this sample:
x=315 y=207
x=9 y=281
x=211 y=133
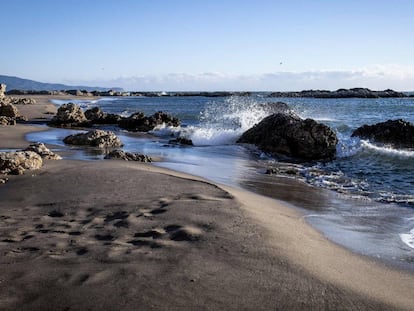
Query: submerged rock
x=289 y=135
x=43 y=151
x=398 y=133
x=95 y=138
x=17 y=162
x=70 y=115
x=128 y=156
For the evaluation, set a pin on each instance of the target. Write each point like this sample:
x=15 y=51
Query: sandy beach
x=116 y=235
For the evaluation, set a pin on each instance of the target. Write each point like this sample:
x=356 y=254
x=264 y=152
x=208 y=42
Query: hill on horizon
x=16 y=83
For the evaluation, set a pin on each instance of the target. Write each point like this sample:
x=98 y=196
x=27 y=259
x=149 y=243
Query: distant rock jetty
x=341 y=93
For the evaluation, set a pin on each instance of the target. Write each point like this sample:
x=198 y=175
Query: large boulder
x=289 y=135
x=138 y=122
x=398 y=133
x=43 y=151
x=8 y=110
x=70 y=115
x=128 y=156
x=95 y=138
x=96 y=116
x=17 y=162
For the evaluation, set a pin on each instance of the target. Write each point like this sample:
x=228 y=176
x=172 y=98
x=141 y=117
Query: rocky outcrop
x=96 y=116
x=17 y=162
x=8 y=110
x=341 y=93
x=128 y=156
x=289 y=135
x=69 y=115
x=2 y=90
x=43 y=151
x=397 y=133
x=95 y=138
x=138 y=122
x=7 y=120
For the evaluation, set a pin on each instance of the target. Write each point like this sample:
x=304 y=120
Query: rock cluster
x=17 y=162
x=128 y=156
x=397 y=133
x=95 y=138
x=138 y=122
x=341 y=93
x=289 y=135
x=69 y=115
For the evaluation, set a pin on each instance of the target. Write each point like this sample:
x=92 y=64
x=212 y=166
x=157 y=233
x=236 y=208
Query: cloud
x=375 y=77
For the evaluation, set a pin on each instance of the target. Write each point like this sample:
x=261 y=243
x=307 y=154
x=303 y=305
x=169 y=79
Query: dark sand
x=114 y=235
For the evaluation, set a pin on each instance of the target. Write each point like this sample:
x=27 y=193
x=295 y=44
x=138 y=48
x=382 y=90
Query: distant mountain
x=15 y=83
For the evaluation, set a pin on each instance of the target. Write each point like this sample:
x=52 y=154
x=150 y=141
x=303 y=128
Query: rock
x=17 y=162
x=97 y=116
x=7 y=120
x=21 y=101
x=181 y=141
x=398 y=133
x=2 y=90
x=341 y=93
x=289 y=135
x=128 y=156
x=43 y=151
x=95 y=138
x=8 y=110
x=138 y=122
x=70 y=115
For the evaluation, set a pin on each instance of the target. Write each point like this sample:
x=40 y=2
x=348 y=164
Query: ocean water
x=363 y=200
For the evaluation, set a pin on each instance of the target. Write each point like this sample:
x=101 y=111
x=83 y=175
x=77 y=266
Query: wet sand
x=115 y=235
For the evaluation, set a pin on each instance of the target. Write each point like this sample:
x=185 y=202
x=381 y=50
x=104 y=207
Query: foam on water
x=408 y=238
x=401 y=153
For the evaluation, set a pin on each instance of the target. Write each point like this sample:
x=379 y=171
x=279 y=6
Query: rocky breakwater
x=396 y=133
x=95 y=138
x=341 y=93
x=286 y=134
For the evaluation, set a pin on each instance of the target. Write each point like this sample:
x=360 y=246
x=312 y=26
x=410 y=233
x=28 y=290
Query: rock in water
x=97 y=116
x=397 y=133
x=17 y=162
x=138 y=122
x=43 y=151
x=69 y=115
x=289 y=135
x=128 y=156
x=95 y=138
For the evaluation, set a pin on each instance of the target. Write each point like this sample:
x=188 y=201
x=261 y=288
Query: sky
x=194 y=45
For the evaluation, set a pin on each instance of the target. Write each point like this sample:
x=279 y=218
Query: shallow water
x=345 y=198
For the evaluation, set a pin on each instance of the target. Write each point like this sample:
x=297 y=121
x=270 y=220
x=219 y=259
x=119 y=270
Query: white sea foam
x=408 y=238
x=388 y=150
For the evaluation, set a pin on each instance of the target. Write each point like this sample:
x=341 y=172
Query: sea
x=363 y=200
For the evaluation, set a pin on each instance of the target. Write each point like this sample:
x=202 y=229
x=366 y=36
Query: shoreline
x=330 y=273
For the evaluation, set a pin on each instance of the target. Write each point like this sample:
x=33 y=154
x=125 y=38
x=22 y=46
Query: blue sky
x=210 y=45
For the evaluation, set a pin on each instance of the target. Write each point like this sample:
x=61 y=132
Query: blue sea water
x=363 y=200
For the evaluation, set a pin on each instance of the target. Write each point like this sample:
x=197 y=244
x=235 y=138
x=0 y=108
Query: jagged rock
x=69 y=115
x=21 y=101
x=289 y=135
x=95 y=138
x=17 y=162
x=97 y=116
x=7 y=120
x=43 y=151
x=128 y=156
x=398 y=133
x=138 y=122
x=182 y=141
x=8 y=110
x=2 y=90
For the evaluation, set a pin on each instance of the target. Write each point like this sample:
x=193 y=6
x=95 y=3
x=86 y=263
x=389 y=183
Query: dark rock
x=96 y=116
x=69 y=115
x=289 y=135
x=138 y=122
x=341 y=93
x=95 y=138
x=128 y=156
x=8 y=110
x=181 y=141
x=398 y=133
